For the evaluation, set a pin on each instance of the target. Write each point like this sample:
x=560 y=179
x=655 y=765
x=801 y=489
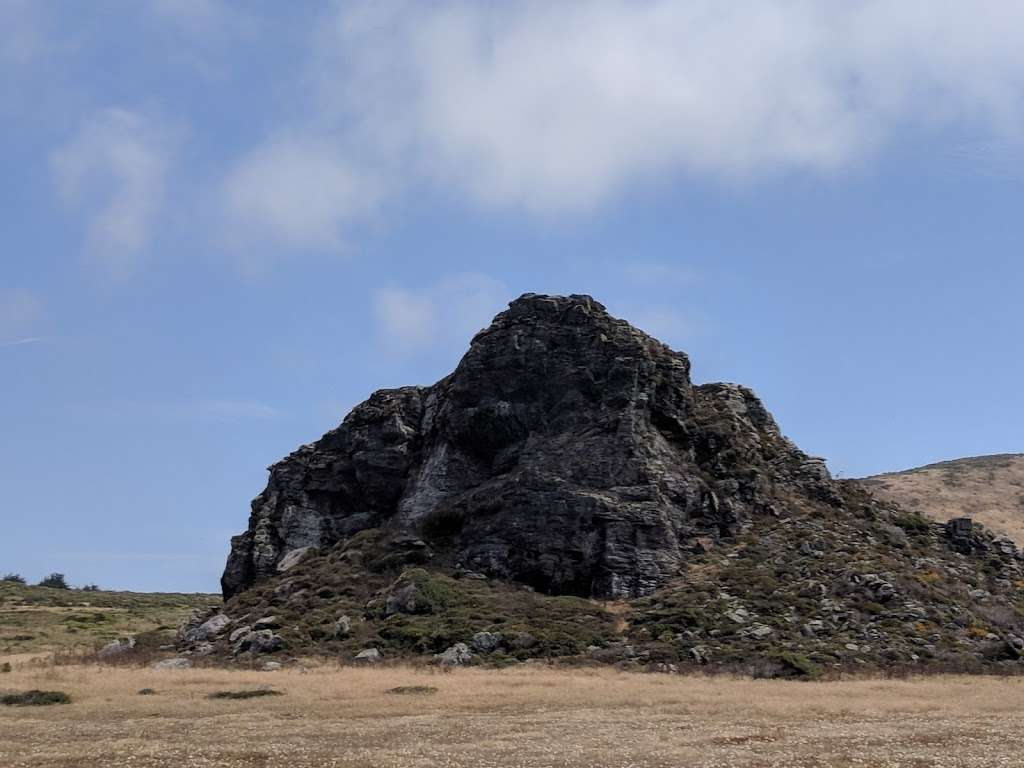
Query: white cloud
x=114 y=169
x=21 y=312
x=298 y=190
x=553 y=107
x=445 y=314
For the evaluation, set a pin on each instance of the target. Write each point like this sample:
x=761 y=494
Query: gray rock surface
x=455 y=656
x=567 y=451
x=368 y=656
x=209 y=629
x=117 y=647
x=342 y=627
x=486 y=642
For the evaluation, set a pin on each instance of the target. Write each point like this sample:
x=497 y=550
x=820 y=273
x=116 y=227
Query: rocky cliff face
x=568 y=451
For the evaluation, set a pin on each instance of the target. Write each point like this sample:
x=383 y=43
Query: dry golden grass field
x=518 y=717
x=989 y=489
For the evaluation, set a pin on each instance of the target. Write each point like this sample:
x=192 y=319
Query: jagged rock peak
x=568 y=451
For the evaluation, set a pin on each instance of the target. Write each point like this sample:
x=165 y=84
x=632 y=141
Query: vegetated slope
x=36 y=619
x=989 y=489
x=568 y=493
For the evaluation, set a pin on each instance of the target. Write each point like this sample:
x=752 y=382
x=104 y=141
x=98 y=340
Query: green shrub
x=798 y=663
x=913 y=522
x=55 y=581
x=14 y=578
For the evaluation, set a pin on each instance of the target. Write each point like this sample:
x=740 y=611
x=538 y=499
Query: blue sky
x=225 y=224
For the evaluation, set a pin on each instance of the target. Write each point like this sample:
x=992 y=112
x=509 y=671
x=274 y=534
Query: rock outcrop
x=569 y=457
x=568 y=451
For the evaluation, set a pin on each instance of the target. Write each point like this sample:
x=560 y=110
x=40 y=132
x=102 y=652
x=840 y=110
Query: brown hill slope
x=989 y=489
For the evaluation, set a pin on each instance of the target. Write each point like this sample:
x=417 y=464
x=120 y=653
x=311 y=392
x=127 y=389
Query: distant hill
x=39 y=619
x=989 y=489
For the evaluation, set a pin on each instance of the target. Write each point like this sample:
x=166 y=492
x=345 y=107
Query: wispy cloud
x=443 y=314
x=114 y=170
x=299 y=190
x=21 y=342
x=560 y=107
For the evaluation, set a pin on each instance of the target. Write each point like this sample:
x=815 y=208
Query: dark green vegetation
x=55 y=581
x=412 y=690
x=256 y=694
x=35 y=699
x=147 y=692
x=34 y=619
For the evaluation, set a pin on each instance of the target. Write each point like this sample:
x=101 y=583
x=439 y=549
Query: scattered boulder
x=171 y=664
x=258 y=641
x=117 y=648
x=700 y=654
x=455 y=656
x=368 y=656
x=209 y=629
x=404 y=597
x=342 y=627
x=237 y=634
x=1015 y=645
x=486 y=642
x=290 y=559
x=270 y=666
x=203 y=649
x=267 y=622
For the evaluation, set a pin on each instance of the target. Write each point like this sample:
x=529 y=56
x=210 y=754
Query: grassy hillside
x=39 y=619
x=989 y=489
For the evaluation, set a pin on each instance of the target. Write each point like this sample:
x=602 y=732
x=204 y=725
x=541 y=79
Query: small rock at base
x=167 y=664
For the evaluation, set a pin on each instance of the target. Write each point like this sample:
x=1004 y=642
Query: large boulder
x=455 y=656
x=209 y=629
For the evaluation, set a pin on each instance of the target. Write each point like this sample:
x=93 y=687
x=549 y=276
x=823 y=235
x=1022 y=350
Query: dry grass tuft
x=256 y=694
x=412 y=690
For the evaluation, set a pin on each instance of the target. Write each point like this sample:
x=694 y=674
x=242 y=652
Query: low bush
x=412 y=690
x=35 y=699
x=55 y=581
x=258 y=693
